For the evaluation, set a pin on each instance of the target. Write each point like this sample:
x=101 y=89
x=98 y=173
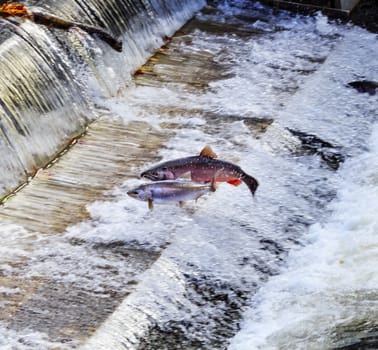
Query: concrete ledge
x=49 y=77
x=334 y=8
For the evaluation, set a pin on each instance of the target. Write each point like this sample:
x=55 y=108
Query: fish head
x=159 y=174
x=140 y=193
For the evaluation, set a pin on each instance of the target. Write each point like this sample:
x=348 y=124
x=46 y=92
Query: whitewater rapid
x=331 y=282
x=242 y=243
x=291 y=268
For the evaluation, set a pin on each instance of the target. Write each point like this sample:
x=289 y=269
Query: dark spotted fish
x=202 y=168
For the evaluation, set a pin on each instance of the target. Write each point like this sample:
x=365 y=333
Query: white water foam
x=29 y=339
x=327 y=283
x=219 y=235
x=218 y=241
x=325 y=100
x=330 y=283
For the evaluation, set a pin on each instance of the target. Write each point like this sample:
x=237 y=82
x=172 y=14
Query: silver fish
x=170 y=191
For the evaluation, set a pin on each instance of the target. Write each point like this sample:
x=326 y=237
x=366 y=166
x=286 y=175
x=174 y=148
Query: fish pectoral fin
x=208 y=152
x=213 y=186
x=150 y=204
x=235 y=182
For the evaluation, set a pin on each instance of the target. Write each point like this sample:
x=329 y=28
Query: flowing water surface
x=291 y=268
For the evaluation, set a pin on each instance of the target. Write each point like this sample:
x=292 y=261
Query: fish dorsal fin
x=208 y=153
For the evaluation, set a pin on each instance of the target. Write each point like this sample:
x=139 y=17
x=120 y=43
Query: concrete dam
x=95 y=92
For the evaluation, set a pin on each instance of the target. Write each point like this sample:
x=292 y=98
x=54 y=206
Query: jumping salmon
x=202 y=168
x=170 y=191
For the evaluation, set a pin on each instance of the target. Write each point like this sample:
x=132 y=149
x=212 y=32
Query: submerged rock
x=312 y=144
x=365 y=86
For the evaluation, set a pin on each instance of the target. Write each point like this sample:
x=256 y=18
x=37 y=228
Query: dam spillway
x=85 y=266
x=47 y=74
x=50 y=82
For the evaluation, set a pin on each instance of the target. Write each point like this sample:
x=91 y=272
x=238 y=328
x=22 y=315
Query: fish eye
x=135 y=192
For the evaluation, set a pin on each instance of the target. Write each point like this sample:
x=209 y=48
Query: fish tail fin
x=251 y=182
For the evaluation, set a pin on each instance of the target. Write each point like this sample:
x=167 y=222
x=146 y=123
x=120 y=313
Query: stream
x=291 y=268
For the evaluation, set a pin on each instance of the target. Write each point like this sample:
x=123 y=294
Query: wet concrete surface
x=55 y=199
x=102 y=158
x=109 y=153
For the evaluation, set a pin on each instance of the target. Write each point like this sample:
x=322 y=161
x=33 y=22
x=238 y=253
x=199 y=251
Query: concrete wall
x=50 y=77
x=348 y=4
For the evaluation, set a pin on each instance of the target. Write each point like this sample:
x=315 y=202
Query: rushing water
x=295 y=264
x=48 y=75
x=295 y=71
x=326 y=297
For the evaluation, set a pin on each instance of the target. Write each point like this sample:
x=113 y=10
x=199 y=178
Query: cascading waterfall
x=41 y=103
x=83 y=265
x=48 y=77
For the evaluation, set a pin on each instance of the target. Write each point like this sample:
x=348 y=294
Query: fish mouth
x=132 y=194
x=149 y=176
